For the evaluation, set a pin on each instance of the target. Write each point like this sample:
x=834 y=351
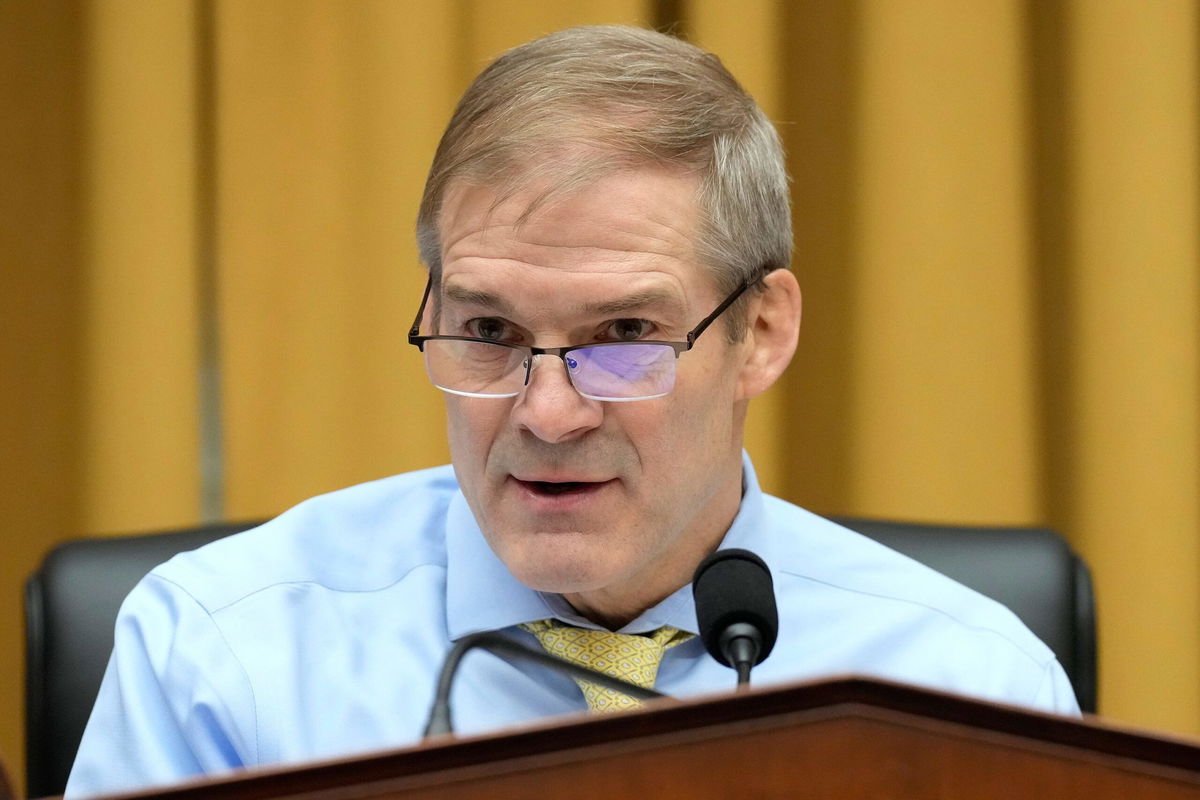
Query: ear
x=773 y=328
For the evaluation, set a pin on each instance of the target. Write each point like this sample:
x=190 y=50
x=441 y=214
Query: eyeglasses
x=611 y=371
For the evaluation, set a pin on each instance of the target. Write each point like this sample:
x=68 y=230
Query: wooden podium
x=844 y=739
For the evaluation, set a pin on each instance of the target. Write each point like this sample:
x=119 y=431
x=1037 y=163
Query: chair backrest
x=73 y=598
x=71 y=603
x=1031 y=570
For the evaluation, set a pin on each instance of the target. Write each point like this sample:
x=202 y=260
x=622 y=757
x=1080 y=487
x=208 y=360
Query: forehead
x=633 y=222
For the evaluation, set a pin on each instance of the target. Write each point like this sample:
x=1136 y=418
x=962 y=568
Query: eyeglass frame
x=418 y=341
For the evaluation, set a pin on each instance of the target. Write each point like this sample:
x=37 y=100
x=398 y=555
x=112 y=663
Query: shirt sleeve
x=175 y=702
x=1055 y=693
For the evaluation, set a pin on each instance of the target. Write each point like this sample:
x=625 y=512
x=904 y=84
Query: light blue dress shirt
x=320 y=634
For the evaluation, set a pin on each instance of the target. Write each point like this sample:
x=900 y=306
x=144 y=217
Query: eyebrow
x=618 y=305
x=477 y=297
x=637 y=300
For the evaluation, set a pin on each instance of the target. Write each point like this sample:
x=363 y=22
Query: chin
x=569 y=580
x=558 y=572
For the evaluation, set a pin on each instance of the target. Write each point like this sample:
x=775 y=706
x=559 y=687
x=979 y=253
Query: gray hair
x=568 y=108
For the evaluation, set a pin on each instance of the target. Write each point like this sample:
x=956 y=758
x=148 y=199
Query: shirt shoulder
x=823 y=553
x=363 y=538
x=860 y=607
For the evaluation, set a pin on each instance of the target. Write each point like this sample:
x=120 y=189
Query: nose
x=550 y=408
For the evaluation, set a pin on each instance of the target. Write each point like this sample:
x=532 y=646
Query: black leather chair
x=1033 y=571
x=72 y=601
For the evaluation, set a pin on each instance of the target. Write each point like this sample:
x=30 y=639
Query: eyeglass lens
x=621 y=371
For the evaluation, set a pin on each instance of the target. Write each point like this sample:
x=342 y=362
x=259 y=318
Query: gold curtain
x=206 y=269
x=998 y=234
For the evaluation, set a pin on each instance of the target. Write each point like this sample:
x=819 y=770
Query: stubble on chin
x=554 y=561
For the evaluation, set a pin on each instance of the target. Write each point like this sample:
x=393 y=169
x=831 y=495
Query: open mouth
x=552 y=488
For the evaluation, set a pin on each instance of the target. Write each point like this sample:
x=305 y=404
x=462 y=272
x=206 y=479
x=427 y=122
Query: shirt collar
x=482 y=595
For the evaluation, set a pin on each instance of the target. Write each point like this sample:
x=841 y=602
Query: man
x=607 y=233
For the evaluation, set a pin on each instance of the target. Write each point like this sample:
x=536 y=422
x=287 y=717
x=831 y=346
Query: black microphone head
x=730 y=587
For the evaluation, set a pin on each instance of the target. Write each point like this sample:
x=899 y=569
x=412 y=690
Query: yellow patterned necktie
x=620 y=655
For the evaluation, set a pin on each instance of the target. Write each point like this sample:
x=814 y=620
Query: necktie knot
x=631 y=657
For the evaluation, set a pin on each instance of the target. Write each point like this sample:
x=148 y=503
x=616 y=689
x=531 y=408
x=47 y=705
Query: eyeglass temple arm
x=695 y=332
x=415 y=330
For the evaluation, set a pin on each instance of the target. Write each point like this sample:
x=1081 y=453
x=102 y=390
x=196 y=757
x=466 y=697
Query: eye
x=490 y=328
x=628 y=330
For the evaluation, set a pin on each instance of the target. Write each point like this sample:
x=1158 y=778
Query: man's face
x=610 y=503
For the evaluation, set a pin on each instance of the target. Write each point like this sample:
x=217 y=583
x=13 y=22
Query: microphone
x=502 y=646
x=735 y=607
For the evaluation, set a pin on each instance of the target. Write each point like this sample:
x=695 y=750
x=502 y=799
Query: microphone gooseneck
x=503 y=647
x=735 y=609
